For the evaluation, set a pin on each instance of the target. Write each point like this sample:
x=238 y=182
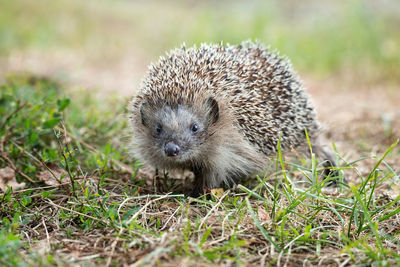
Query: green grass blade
x=259 y=226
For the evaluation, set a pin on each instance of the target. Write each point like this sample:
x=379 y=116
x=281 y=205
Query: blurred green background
x=108 y=44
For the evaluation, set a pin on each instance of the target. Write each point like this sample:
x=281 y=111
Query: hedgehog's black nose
x=172 y=150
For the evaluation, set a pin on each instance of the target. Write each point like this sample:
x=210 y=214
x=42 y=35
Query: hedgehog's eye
x=194 y=128
x=158 y=128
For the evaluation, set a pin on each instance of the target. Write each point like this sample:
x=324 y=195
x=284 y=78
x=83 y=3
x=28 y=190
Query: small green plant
x=9 y=248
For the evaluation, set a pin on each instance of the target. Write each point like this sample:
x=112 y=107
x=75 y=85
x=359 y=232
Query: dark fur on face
x=178 y=132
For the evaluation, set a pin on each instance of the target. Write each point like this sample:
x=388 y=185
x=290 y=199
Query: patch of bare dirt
x=361 y=121
x=339 y=104
x=104 y=74
x=7 y=178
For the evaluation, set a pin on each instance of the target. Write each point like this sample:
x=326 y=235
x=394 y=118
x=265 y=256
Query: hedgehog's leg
x=156 y=180
x=329 y=162
x=204 y=179
x=199 y=183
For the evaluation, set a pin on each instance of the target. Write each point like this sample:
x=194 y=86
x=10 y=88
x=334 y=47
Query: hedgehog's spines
x=258 y=93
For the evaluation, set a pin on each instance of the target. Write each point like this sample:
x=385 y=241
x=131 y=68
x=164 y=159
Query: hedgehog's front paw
x=332 y=174
x=333 y=177
x=196 y=192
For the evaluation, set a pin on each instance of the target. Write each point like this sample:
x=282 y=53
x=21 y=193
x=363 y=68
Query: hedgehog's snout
x=171 y=149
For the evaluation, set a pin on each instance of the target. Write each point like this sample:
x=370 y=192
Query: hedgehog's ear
x=213 y=110
x=143 y=113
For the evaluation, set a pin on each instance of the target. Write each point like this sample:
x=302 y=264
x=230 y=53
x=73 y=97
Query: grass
x=84 y=201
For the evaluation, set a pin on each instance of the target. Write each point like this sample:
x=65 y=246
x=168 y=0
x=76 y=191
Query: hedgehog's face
x=177 y=134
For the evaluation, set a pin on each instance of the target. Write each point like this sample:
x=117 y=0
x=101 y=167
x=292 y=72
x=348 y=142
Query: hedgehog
x=220 y=111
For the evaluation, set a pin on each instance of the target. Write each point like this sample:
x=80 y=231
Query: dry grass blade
x=213 y=209
x=76 y=212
